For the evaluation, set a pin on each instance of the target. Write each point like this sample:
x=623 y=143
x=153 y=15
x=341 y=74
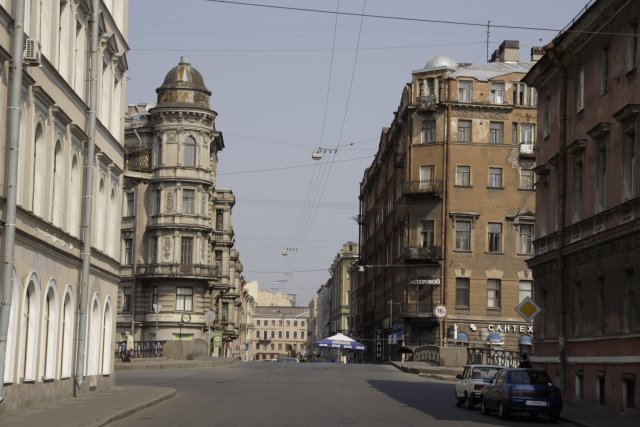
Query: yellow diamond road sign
x=528 y=309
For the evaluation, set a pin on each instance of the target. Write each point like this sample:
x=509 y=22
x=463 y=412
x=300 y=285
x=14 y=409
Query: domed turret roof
x=442 y=61
x=183 y=86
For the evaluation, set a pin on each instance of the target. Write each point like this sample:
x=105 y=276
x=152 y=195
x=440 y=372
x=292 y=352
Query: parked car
x=289 y=359
x=471 y=382
x=522 y=390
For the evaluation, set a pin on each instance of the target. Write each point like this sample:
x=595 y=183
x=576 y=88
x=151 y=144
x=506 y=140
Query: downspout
x=87 y=198
x=11 y=180
x=562 y=201
x=445 y=210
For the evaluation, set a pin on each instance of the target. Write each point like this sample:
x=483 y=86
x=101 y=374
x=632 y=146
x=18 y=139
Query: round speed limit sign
x=440 y=311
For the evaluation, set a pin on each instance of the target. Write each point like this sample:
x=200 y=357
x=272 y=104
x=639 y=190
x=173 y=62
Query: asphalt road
x=304 y=394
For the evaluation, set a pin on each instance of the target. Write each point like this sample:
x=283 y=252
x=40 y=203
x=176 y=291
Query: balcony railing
x=433 y=186
x=176 y=270
x=417 y=310
x=423 y=253
x=428 y=102
x=527 y=150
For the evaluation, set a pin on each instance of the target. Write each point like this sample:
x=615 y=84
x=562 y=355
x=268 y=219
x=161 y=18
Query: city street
x=304 y=394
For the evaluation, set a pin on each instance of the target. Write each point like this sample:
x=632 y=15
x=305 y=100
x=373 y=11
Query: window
x=546 y=118
x=184 y=299
x=497 y=92
x=632 y=47
x=494 y=237
x=496 y=133
x=628 y=163
x=295 y=323
x=429 y=131
x=219 y=219
x=464 y=130
x=286 y=334
x=462 y=292
x=189 y=152
x=493 y=293
x=523 y=95
x=580 y=90
x=629 y=390
x=156 y=204
x=525 y=239
x=604 y=70
x=273 y=334
x=526 y=179
x=577 y=186
x=524 y=290
x=495 y=178
x=601 y=175
x=427 y=232
x=153 y=250
x=186 y=250
x=302 y=323
x=301 y=335
x=273 y=322
x=463 y=176
x=527 y=133
x=427 y=174
x=218 y=256
x=463 y=235
x=154 y=297
x=280 y=334
x=628 y=301
x=295 y=335
x=128 y=251
x=258 y=323
x=189 y=201
x=578 y=309
x=126 y=299
x=130 y=207
x=465 y=93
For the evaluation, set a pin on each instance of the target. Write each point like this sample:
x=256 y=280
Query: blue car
x=522 y=390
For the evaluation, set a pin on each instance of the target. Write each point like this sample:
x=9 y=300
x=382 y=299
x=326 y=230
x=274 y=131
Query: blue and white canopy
x=342 y=342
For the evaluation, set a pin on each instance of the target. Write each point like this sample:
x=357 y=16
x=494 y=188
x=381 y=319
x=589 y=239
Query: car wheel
x=483 y=408
x=554 y=417
x=502 y=412
x=468 y=401
x=459 y=400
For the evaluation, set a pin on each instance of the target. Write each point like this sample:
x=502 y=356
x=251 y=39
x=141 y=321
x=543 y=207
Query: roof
x=183 y=86
x=277 y=311
x=492 y=70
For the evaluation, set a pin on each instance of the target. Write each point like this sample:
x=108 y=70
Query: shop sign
x=379 y=350
x=522 y=329
x=431 y=282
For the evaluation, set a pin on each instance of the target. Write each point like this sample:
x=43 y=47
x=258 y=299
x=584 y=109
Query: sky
x=288 y=82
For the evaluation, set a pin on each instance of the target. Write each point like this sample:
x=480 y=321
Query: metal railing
x=141 y=349
x=488 y=356
x=201 y=270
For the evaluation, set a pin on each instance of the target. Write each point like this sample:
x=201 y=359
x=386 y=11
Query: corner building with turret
x=181 y=276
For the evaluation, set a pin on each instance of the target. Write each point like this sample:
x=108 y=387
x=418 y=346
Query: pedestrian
x=525 y=362
x=130 y=350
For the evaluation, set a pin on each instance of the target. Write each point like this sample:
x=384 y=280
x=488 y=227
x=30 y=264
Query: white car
x=471 y=382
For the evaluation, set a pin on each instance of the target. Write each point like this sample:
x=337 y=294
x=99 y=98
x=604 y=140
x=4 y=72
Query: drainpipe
x=87 y=198
x=11 y=180
x=562 y=202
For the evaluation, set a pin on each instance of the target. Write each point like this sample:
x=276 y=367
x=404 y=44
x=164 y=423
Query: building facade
x=279 y=331
x=55 y=125
x=587 y=241
x=447 y=211
x=341 y=273
x=181 y=276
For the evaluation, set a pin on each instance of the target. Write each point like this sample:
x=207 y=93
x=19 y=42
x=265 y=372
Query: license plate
x=536 y=403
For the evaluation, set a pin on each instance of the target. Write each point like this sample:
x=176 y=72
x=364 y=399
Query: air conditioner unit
x=32 y=52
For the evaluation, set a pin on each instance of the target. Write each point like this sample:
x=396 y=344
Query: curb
x=170 y=393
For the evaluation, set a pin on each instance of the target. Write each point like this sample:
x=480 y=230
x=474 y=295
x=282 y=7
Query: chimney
x=509 y=51
x=537 y=52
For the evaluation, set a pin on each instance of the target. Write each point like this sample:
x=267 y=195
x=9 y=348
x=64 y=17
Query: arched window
x=29 y=331
x=75 y=198
x=101 y=209
x=66 y=346
x=64 y=37
x=58 y=185
x=113 y=234
x=80 y=60
x=95 y=327
x=39 y=166
x=189 y=159
x=158 y=159
x=50 y=333
x=107 y=338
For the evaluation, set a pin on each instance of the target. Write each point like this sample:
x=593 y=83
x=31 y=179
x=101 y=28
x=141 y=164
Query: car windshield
x=529 y=377
x=484 y=373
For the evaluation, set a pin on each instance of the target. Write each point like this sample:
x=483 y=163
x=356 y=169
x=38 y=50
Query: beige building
x=46 y=346
x=181 y=276
x=447 y=211
x=586 y=276
x=341 y=288
x=279 y=331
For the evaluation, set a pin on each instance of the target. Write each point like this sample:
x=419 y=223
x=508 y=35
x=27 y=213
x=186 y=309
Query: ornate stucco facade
x=53 y=154
x=178 y=244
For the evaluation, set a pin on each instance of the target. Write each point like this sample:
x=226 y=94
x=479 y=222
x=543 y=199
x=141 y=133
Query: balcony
x=417 y=310
x=138 y=160
x=527 y=150
x=432 y=253
x=428 y=187
x=427 y=103
x=177 y=270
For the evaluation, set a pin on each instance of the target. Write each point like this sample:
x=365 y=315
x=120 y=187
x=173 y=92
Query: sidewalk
x=580 y=414
x=101 y=407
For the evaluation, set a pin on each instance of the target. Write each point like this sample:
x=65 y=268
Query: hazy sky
x=286 y=82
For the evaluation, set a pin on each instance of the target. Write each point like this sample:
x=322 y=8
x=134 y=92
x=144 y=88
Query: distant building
x=447 y=211
x=341 y=273
x=179 y=265
x=41 y=362
x=586 y=268
x=279 y=331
